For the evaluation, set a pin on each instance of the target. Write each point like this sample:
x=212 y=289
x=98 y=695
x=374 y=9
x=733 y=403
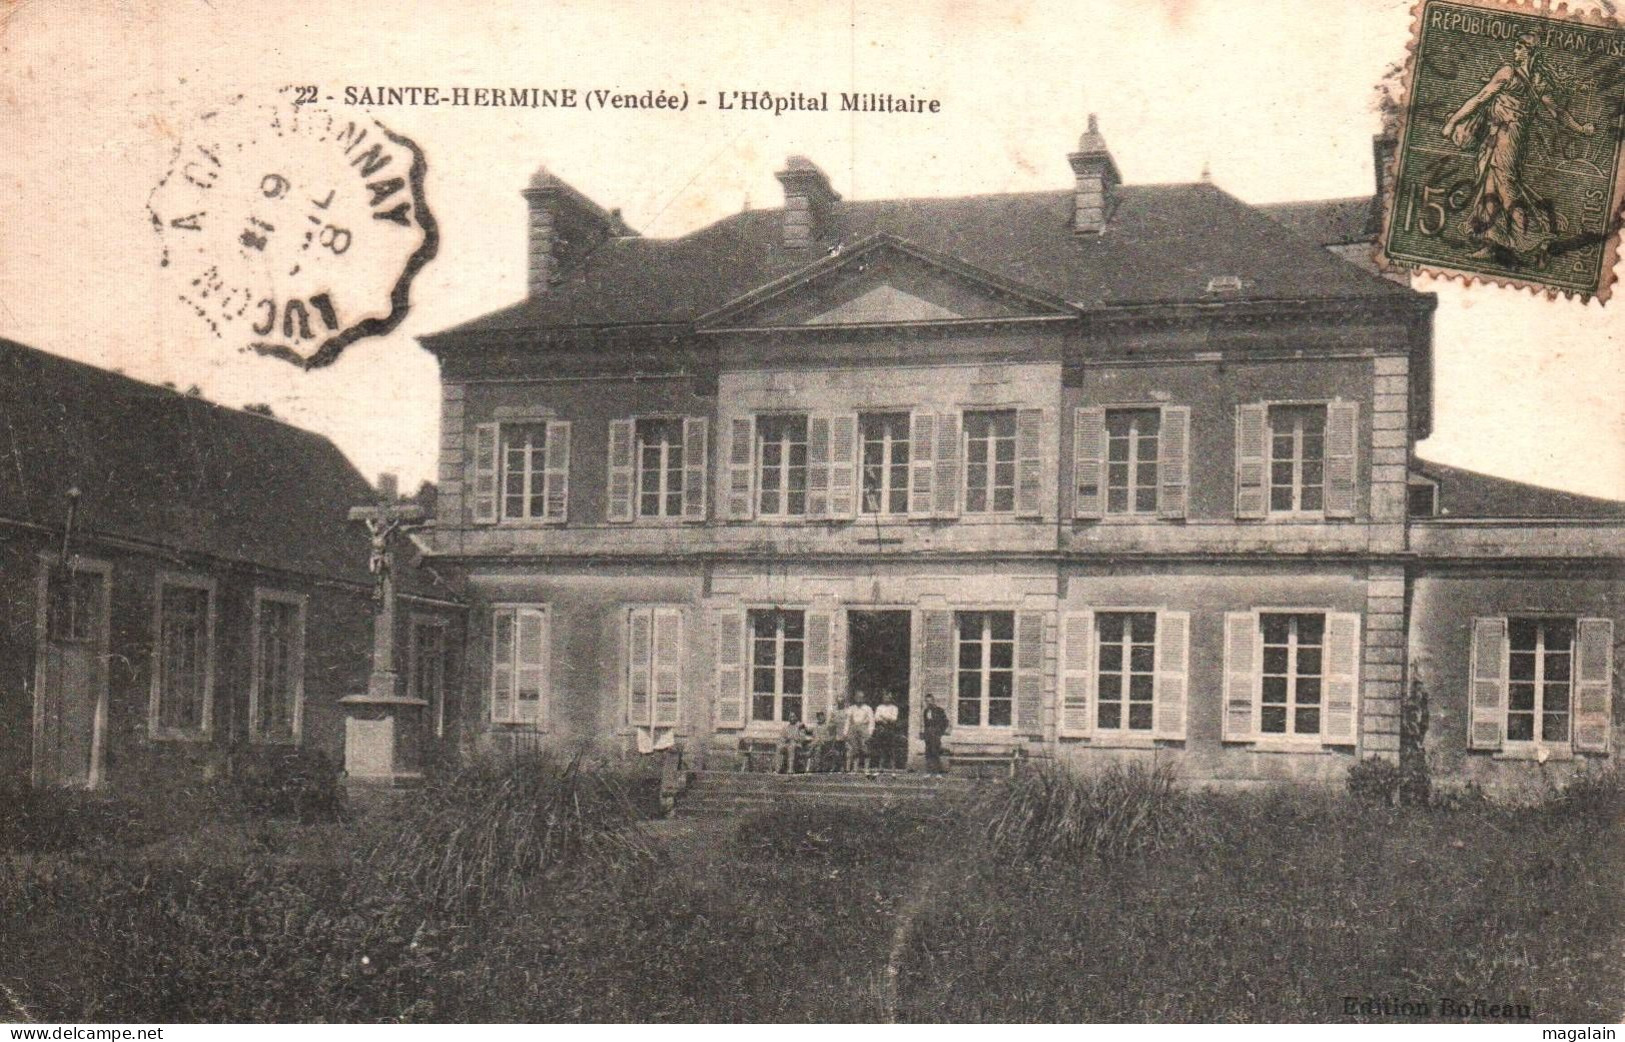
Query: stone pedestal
x=383 y=735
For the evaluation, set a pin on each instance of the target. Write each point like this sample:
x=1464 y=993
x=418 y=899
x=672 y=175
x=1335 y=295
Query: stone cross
x=384 y=520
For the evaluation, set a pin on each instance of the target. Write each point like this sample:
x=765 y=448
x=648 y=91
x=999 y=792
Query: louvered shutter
x=843 y=451
x=923 y=432
x=1173 y=673
x=1173 y=461
x=622 y=447
x=1342 y=446
x=484 y=501
x=937 y=656
x=557 y=475
x=732 y=667
x=818 y=467
x=639 y=640
x=1252 y=470
x=1240 y=674
x=1075 y=713
x=696 y=459
x=816 y=674
x=503 y=621
x=1088 y=463
x=1594 y=685
x=1487 y=714
x=667 y=666
x=1339 y=721
x=530 y=667
x=1030 y=462
x=1030 y=673
x=945 y=477
x=741 y=469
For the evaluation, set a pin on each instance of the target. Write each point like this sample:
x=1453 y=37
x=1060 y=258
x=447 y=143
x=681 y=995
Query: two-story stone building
x=1109 y=471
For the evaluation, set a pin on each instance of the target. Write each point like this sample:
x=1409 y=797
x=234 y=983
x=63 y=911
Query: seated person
x=829 y=749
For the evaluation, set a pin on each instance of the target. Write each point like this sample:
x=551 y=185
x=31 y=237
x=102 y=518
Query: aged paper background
x=1274 y=96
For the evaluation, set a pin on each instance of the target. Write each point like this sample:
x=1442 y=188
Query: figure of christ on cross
x=384 y=521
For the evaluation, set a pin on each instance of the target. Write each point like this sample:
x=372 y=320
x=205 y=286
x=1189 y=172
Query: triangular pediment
x=882 y=281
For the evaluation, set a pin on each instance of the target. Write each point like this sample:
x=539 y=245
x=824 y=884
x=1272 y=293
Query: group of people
x=860 y=736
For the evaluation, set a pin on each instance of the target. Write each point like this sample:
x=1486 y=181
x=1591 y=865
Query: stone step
x=835 y=781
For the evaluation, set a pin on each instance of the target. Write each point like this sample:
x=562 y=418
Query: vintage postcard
x=586 y=512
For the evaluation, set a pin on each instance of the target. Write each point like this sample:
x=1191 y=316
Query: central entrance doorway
x=877 y=651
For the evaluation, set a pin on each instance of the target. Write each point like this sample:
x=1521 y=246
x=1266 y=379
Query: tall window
x=1291 y=700
x=1297 y=459
x=990 y=462
x=1131 y=460
x=660 y=468
x=426 y=680
x=1540 y=672
x=885 y=462
x=781 y=446
x=987 y=657
x=279 y=650
x=778 y=648
x=524 y=468
x=1127 y=669
x=184 y=658
x=518 y=664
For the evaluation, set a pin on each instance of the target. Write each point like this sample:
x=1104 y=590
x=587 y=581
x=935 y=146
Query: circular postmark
x=291 y=231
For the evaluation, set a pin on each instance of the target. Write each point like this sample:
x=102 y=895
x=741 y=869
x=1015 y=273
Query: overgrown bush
x=46 y=820
x=1594 y=795
x=288 y=782
x=488 y=828
x=1056 y=811
x=1375 y=780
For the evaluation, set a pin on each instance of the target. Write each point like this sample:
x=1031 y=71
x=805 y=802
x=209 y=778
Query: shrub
x=1594 y=795
x=289 y=782
x=1055 y=811
x=54 y=820
x=1375 y=780
x=485 y=830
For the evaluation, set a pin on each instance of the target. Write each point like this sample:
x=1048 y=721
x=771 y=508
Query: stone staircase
x=720 y=793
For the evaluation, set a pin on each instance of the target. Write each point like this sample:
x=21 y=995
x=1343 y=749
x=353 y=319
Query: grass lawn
x=1246 y=907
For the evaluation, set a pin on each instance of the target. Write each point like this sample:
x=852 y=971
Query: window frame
x=785 y=467
x=1122 y=730
x=985 y=670
x=424 y=620
x=1291 y=706
x=535 y=474
x=1537 y=711
x=1135 y=465
x=992 y=463
x=781 y=640
x=300 y=602
x=665 y=492
x=1297 y=461
x=191 y=581
x=888 y=464
x=545 y=690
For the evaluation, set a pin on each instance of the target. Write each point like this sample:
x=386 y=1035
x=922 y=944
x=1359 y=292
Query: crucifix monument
x=381 y=725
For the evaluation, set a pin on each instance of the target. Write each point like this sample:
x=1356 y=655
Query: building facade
x=1114 y=472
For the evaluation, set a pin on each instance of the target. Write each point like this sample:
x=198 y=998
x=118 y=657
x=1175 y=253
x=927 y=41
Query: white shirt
x=886 y=713
x=860 y=718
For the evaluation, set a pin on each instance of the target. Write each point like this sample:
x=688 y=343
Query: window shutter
x=1030 y=673
x=639 y=627
x=531 y=667
x=1252 y=446
x=843 y=460
x=696 y=457
x=1030 y=462
x=1342 y=441
x=937 y=656
x=1594 y=685
x=503 y=621
x=731 y=668
x=1240 y=674
x=557 y=475
x=1340 y=715
x=818 y=467
x=1173 y=464
x=1173 y=664
x=741 y=469
x=1088 y=463
x=621 y=469
x=485 y=473
x=946 y=476
x=1076 y=715
x=816 y=676
x=668 y=666
x=923 y=435
x=1487 y=715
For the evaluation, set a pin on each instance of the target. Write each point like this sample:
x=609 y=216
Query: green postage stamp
x=1509 y=167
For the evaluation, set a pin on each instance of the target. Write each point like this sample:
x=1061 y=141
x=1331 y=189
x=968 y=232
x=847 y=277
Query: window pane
x=1521 y=698
x=1140 y=687
x=1275 y=689
x=1309 y=661
x=1142 y=658
x=1272 y=719
x=1111 y=714
x=1554 y=727
x=1275 y=627
x=1521 y=665
x=792 y=681
x=1307 y=721
x=1275 y=659
x=1521 y=727
x=1521 y=633
x=761 y=707
x=1139 y=716
x=1308 y=690
x=998 y=714
x=1001 y=655
x=1003 y=625
x=792 y=708
x=1557 y=665
x=999 y=685
x=795 y=625
x=1310 y=628
x=1556 y=698
x=1111 y=657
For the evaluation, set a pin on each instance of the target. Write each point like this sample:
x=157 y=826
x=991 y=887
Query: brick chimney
x=1097 y=181
x=808 y=199
x=565 y=226
x=1384 y=148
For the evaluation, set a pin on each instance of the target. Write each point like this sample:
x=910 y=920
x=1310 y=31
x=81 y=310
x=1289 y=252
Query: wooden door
x=69 y=676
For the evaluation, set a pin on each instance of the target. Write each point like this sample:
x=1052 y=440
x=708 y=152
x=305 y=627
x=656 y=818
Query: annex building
x=1111 y=471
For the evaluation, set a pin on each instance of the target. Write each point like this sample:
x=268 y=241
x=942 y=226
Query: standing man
x=886 y=732
x=936 y=725
x=860 y=725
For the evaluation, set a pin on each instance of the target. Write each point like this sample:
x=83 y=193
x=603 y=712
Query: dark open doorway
x=878 y=664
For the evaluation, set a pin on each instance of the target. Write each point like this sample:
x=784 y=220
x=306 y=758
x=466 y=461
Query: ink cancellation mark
x=1511 y=166
x=290 y=231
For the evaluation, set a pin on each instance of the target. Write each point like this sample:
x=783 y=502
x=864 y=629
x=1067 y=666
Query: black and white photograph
x=774 y=512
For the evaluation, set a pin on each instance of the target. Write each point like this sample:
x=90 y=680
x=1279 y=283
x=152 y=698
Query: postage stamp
x=1510 y=167
x=290 y=231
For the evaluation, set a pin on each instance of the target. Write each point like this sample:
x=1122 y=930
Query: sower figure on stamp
x=1505 y=213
